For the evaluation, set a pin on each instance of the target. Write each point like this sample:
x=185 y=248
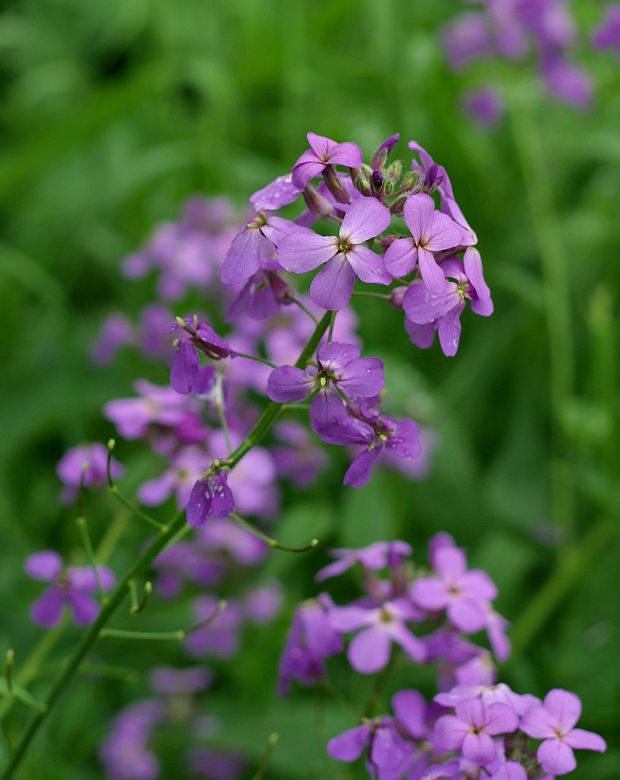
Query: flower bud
x=377 y=181
x=397 y=295
x=362 y=179
x=410 y=181
x=393 y=172
x=317 y=203
x=334 y=184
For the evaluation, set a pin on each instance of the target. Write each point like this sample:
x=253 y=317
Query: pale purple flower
x=186 y=562
x=607 y=36
x=323 y=152
x=221 y=637
x=125 y=752
x=434 y=177
x=345 y=256
x=278 y=193
x=186 y=374
x=210 y=497
x=463 y=594
x=296 y=455
x=566 y=81
x=387 y=750
x=85 y=465
x=252 y=245
x=431 y=232
x=263 y=603
x=485 y=106
x=340 y=369
x=375 y=557
x=554 y=721
x=160 y=412
x=466 y=39
x=472 y=728
x=116 y=332
x=369 y=651
x=171 y=682
x=311 y=640
x=428 y=311
x=71 y=587
x=185 y=468
x=226 y=536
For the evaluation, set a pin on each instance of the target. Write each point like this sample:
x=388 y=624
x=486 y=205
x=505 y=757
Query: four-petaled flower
x=553 y=721
x=346 y=255
x=70 y=587
x=431 y=232
x=472 y=728
x=323 y=152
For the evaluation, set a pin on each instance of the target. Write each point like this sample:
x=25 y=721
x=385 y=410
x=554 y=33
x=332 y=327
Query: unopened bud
x=377 y=181
x=393 y=172
x=335 y=186
x=397 y=295
x=410 y=181
x=361 y=179
x=317 y=203
x=386 y=242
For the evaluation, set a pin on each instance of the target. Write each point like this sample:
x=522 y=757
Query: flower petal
x=346 y=153
x=580 y=739
x=304 y=250
x=47 y=609
x=288 y=384
x=243 y=257
x=45 y=565
x=418 y=214
x=370 y=650
x=365 y=219
x=473 y=269
x=349 y=745
x=332 y=287
x=368 y=266
x=432 y=275
x=556 y=757
x=400 y=257
x=449 y=331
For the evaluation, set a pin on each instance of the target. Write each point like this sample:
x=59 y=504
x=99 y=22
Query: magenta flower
x=427 y=311
x=464 y=595
x=70 y=587
x=607 y=36
x=374 y=557
x=311 y=640
x=323 y=152
x=85 y=465
x=186 y=374
x=553 y=721
x=210 y=497
x=472 y=728
x=251 y=246
x=341 y=369
x=387 y=750
x=346 y=256
x=431 y=232
x=369 y=651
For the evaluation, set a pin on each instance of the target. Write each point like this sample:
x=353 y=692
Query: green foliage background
x=111 y=114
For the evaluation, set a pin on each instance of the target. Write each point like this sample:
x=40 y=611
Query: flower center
x=344 y=245
x=461 y=290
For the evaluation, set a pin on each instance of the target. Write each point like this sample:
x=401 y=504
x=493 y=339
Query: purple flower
x=186 y=562
x=170 y=682
x=346 y=256
x=387 y=750
x=210 y=497
x=263 y=604
x=431 y=232
x=374 y=557
x=428 y=311
x=85 y=465
x=369 y=651
x=251 y=246
x=125 y=752
x=186 y=374
x=468 y=38
x=226 y=536
x=220 y=638
x=607 y=36
x=297 y=456
x=472 y=727
x=116 y=332
x=278 y=193
x=340 y=370
x=553 y=721
x=261 y=297
x=566 y=81
x=485 y=106
x=464 y=594
x=311 y=640
x=70 y=587
x=323 y=152
x=185 y=468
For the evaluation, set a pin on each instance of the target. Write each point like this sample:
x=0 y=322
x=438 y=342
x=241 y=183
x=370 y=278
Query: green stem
x=556 y=278
x=305 y=309
x=257 y=359
x=90 y=554
x=156 y=546
x=273 y=543
x=262 y=769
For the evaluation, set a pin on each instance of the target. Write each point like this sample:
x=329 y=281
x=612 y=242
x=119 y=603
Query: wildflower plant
x=276 y=371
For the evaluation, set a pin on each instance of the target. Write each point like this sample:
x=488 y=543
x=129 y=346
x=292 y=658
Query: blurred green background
x=112 y=113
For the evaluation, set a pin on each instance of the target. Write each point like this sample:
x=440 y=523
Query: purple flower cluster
x=511 y=29
x=475 y=727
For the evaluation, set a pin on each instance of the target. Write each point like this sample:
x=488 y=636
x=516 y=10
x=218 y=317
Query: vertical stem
x=555 y=270
x=163 y=538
